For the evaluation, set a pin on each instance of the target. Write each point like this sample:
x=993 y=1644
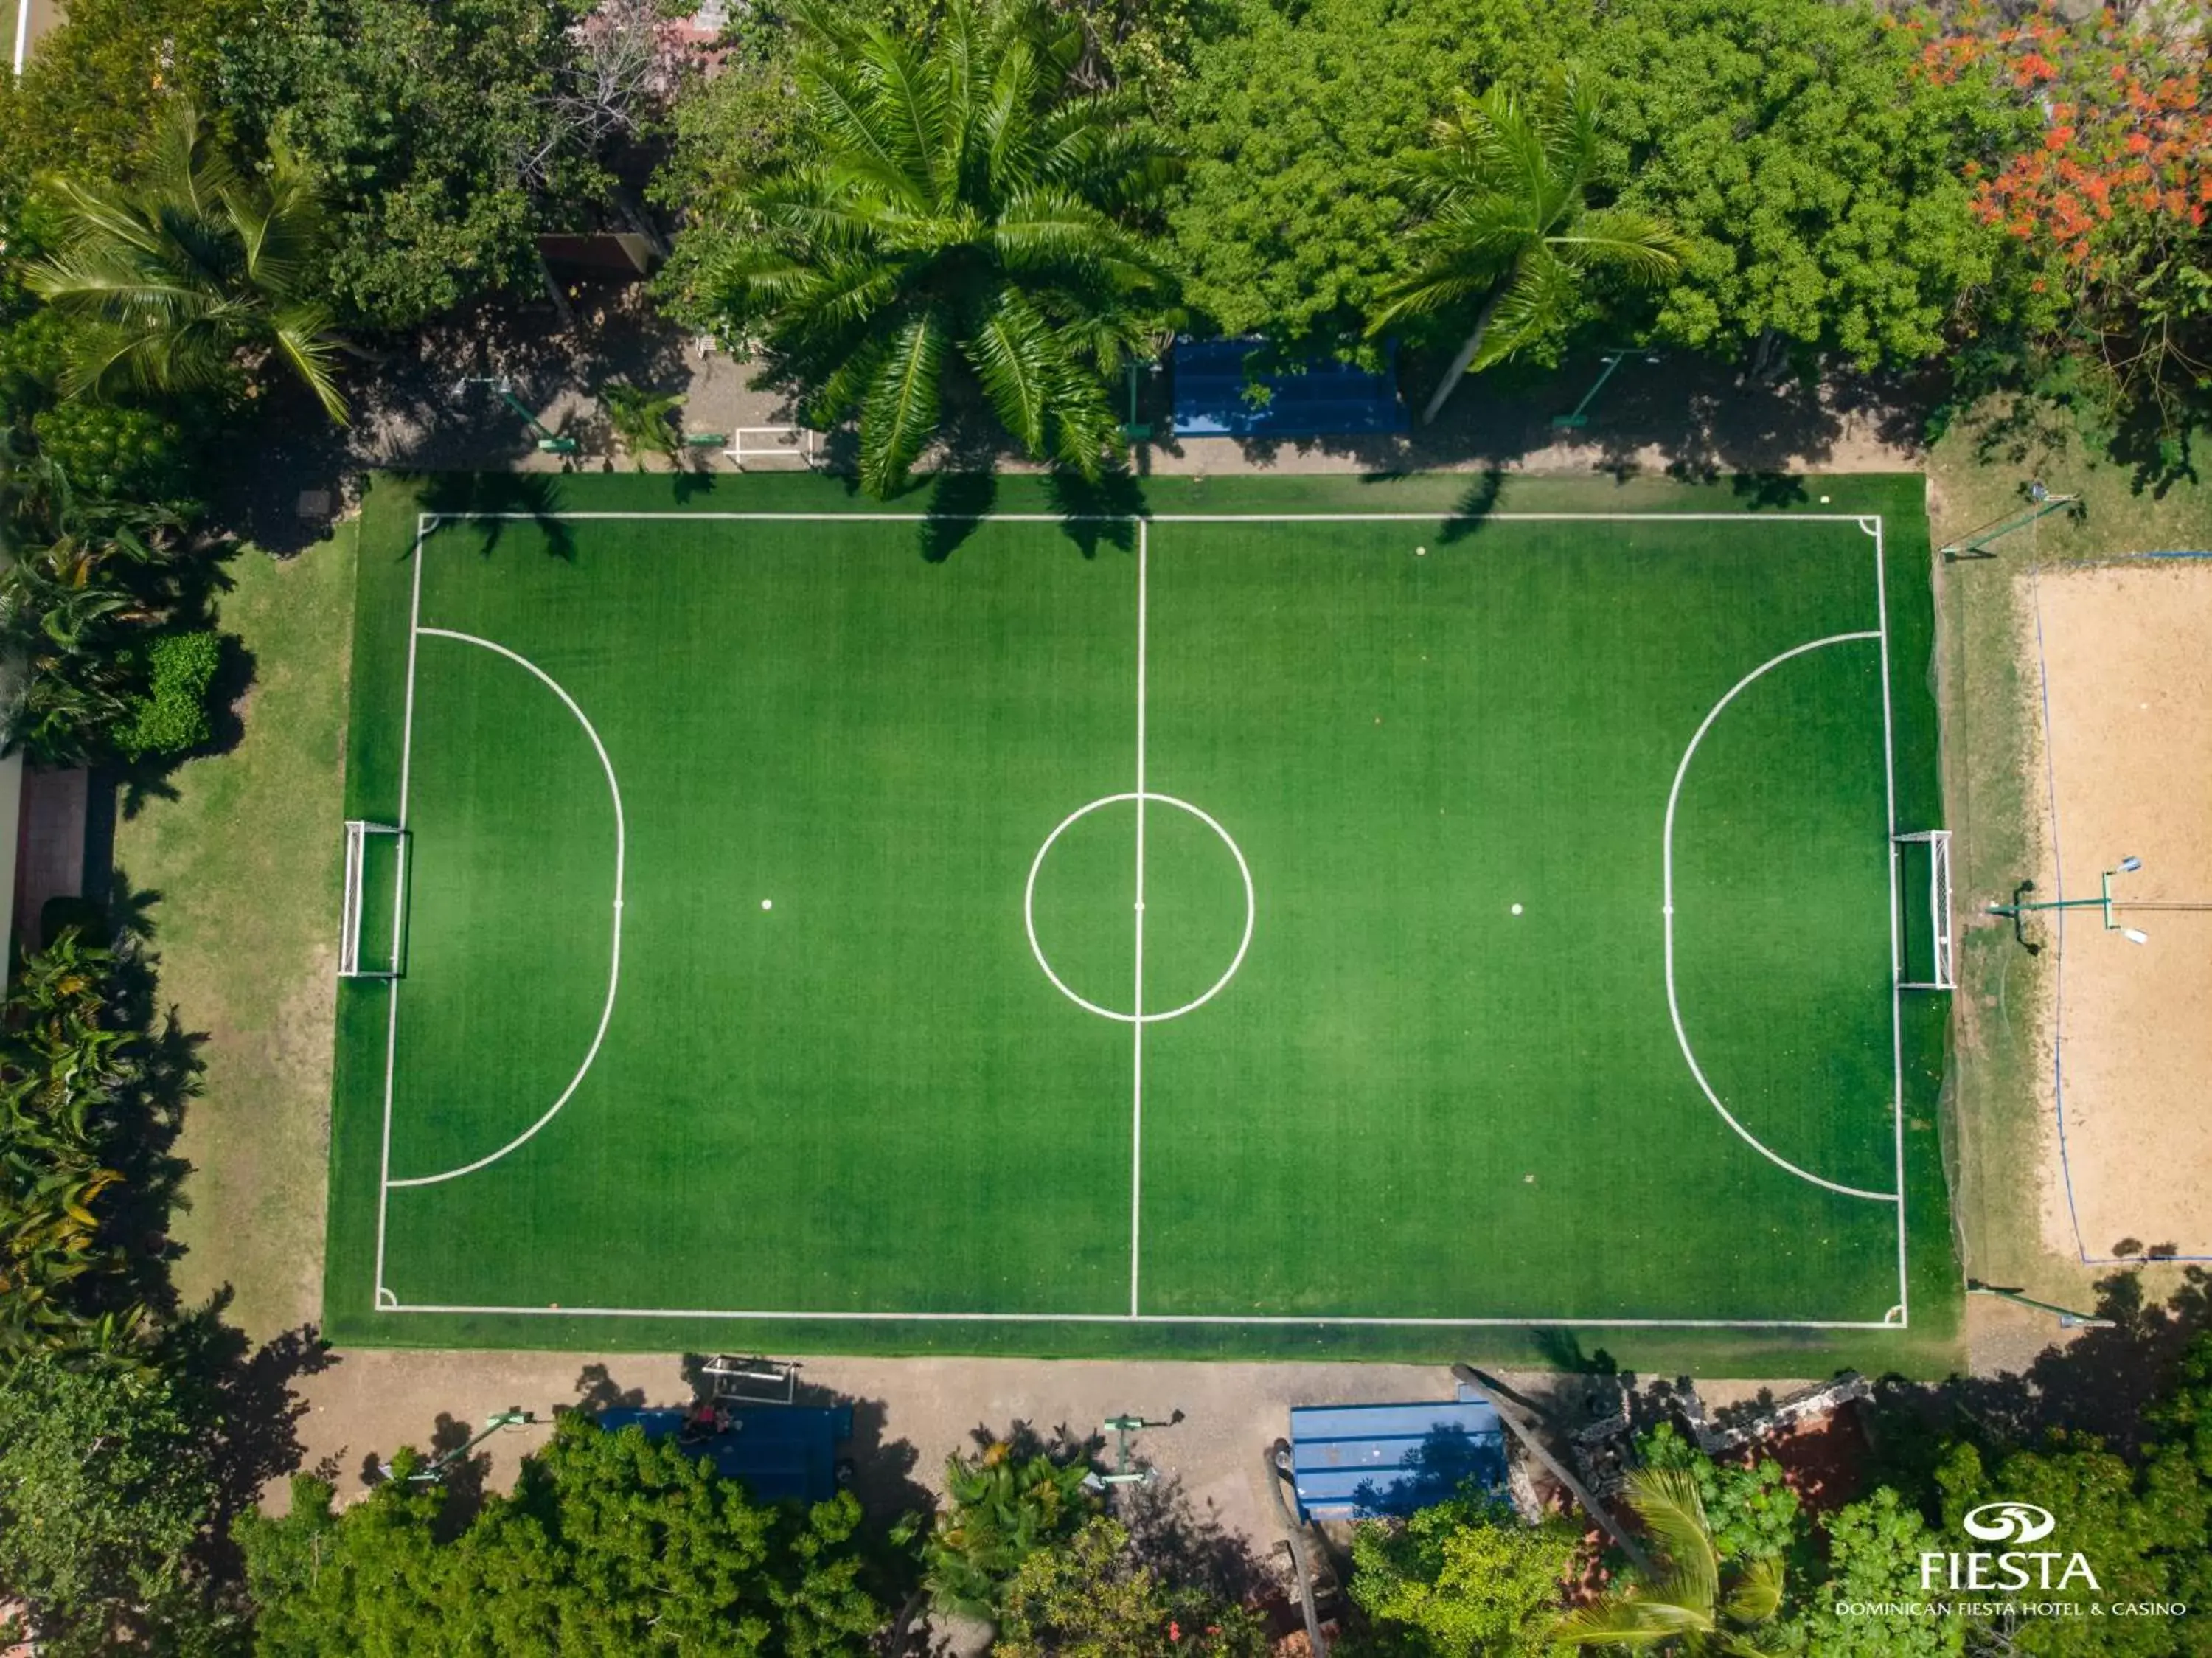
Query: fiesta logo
x=2014 y=1568
x=2009 y=1522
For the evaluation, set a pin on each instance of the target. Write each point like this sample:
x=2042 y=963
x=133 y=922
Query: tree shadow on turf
x=510 y=498
x=958 y=503
x=1470 y=512
x=1768 y=489
x=1095 y=514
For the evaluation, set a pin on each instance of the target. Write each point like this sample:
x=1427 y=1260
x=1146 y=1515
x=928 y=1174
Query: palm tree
x=1510 y=222
x=192 y=266
x=1696 y=1600
x=1004 y=1506
x=640 y=420
x=955 y=197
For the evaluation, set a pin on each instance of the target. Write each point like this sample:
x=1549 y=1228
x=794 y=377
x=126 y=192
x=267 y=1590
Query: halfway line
x=1137 y=1005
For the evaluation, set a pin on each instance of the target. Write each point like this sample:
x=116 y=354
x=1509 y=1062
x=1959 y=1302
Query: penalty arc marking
x=614 y=967
x=1667 y=914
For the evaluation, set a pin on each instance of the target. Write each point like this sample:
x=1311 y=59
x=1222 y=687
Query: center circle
x=1137 y=920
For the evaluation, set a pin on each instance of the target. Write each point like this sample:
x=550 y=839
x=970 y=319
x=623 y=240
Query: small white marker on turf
x=1824 y=499
x=768 y=904
x=1420 y=552
x=1517 y=909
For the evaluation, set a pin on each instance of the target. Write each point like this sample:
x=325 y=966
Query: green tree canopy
x=1296 y=209
x=609 y=1543
x=92 y=93
x=1873 y=1554
x=104 y=1496
x=1816 y=174
x=436 y=130
x=1463 y=1579
x=2142 y=1523
x=1752 y=1511
x=953 y=203
x=1091 y=1597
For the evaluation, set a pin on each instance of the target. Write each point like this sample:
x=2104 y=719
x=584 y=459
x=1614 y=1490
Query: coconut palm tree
x=1506 y=186
x=190 y=268
x=952 y=200
x=1699 y=1603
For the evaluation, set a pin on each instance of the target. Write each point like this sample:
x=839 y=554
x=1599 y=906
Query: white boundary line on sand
x=1666 y=913
x=1896 y=1318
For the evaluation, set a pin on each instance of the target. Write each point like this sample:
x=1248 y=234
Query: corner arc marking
x=1667 y=915
x=614 y=968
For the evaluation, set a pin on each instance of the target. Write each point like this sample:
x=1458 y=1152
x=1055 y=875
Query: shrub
x=117 y=454
x=172 y=716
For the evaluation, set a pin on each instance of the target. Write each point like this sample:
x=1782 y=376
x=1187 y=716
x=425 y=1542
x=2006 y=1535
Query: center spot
x=1084 y=912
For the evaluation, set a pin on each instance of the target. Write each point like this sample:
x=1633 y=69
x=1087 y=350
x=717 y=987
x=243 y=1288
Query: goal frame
x=1941 y=938
x=798 y=445
x=357 y=831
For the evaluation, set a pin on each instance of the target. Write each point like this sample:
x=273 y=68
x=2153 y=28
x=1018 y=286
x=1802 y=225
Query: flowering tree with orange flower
x=2109 y=209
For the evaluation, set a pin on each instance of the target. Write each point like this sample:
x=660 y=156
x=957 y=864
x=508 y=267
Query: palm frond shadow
x=1100 y=513
x=487 y=503
x=958 y=503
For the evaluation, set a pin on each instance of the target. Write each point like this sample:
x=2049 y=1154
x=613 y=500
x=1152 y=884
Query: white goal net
x=375 y=902
x=1925 y=961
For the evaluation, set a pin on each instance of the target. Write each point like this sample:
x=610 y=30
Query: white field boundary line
x=429 y=521
x=22 y=36
x=1873 y=527
x=435 y=519
x=1137 y=996
x=1667 y=912
x=424 y=523
x=1285 y=1321
x=614 y=964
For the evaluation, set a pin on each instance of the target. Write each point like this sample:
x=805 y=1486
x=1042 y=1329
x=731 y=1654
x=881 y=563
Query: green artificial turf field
x=1508 y=898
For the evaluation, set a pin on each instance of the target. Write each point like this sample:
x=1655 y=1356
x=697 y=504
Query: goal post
x=1925 y=959
x=373 y=915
